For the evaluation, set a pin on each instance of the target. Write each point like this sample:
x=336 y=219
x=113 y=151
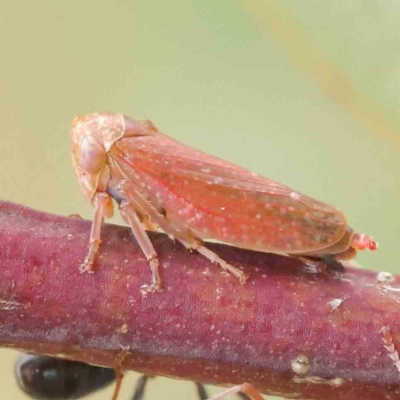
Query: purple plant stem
x=289 y=332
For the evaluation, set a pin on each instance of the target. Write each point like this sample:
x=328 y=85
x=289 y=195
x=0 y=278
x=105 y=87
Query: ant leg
x=245 y=388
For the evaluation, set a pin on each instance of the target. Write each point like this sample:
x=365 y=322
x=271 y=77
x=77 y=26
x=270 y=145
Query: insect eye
x=93 y=155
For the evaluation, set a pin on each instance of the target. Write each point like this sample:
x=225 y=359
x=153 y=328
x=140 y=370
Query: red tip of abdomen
x=361 y=241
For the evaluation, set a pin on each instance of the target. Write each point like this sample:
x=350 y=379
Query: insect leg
x=140 y=387
x=119 y=373
x=244 y=396
x=102 y=206
x=118 y=382
x=245 y=388
x=130 y=216
x=201 y=391
x=188 y=241
x=214 y=258
x=319 y=264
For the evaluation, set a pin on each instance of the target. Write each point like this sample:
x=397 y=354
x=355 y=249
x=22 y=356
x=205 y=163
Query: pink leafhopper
x=193 y=196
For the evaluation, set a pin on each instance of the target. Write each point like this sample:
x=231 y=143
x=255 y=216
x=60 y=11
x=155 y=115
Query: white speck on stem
x=300 y=365
x=385 y=277
x=335 y=303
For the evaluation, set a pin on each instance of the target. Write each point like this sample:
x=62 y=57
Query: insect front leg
x=245 y=388
x=214 y=258
x=102 y=207
x=131 y=218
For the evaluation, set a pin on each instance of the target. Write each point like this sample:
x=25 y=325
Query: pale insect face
x=92 y=137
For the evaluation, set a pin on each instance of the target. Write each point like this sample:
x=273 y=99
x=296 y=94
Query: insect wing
x=221 y=201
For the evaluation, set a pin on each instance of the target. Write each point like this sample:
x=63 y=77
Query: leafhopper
x=193 y=196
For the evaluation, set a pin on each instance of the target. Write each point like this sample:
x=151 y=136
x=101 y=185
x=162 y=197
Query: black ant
x=49 y=378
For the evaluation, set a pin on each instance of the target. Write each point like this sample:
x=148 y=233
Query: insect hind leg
x=321 y=263
x=190 y=242
x=334 y=260
x=214 y=258
x=333 y=263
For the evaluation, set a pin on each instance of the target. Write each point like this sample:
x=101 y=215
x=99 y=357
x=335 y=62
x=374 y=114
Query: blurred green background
x=304 y=92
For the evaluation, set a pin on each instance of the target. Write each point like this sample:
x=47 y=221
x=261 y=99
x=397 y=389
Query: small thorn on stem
x=389 y=346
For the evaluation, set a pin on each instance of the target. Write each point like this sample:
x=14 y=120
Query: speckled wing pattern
x=213 y=199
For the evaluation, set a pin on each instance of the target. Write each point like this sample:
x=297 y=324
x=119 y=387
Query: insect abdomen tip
x=361 y=241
